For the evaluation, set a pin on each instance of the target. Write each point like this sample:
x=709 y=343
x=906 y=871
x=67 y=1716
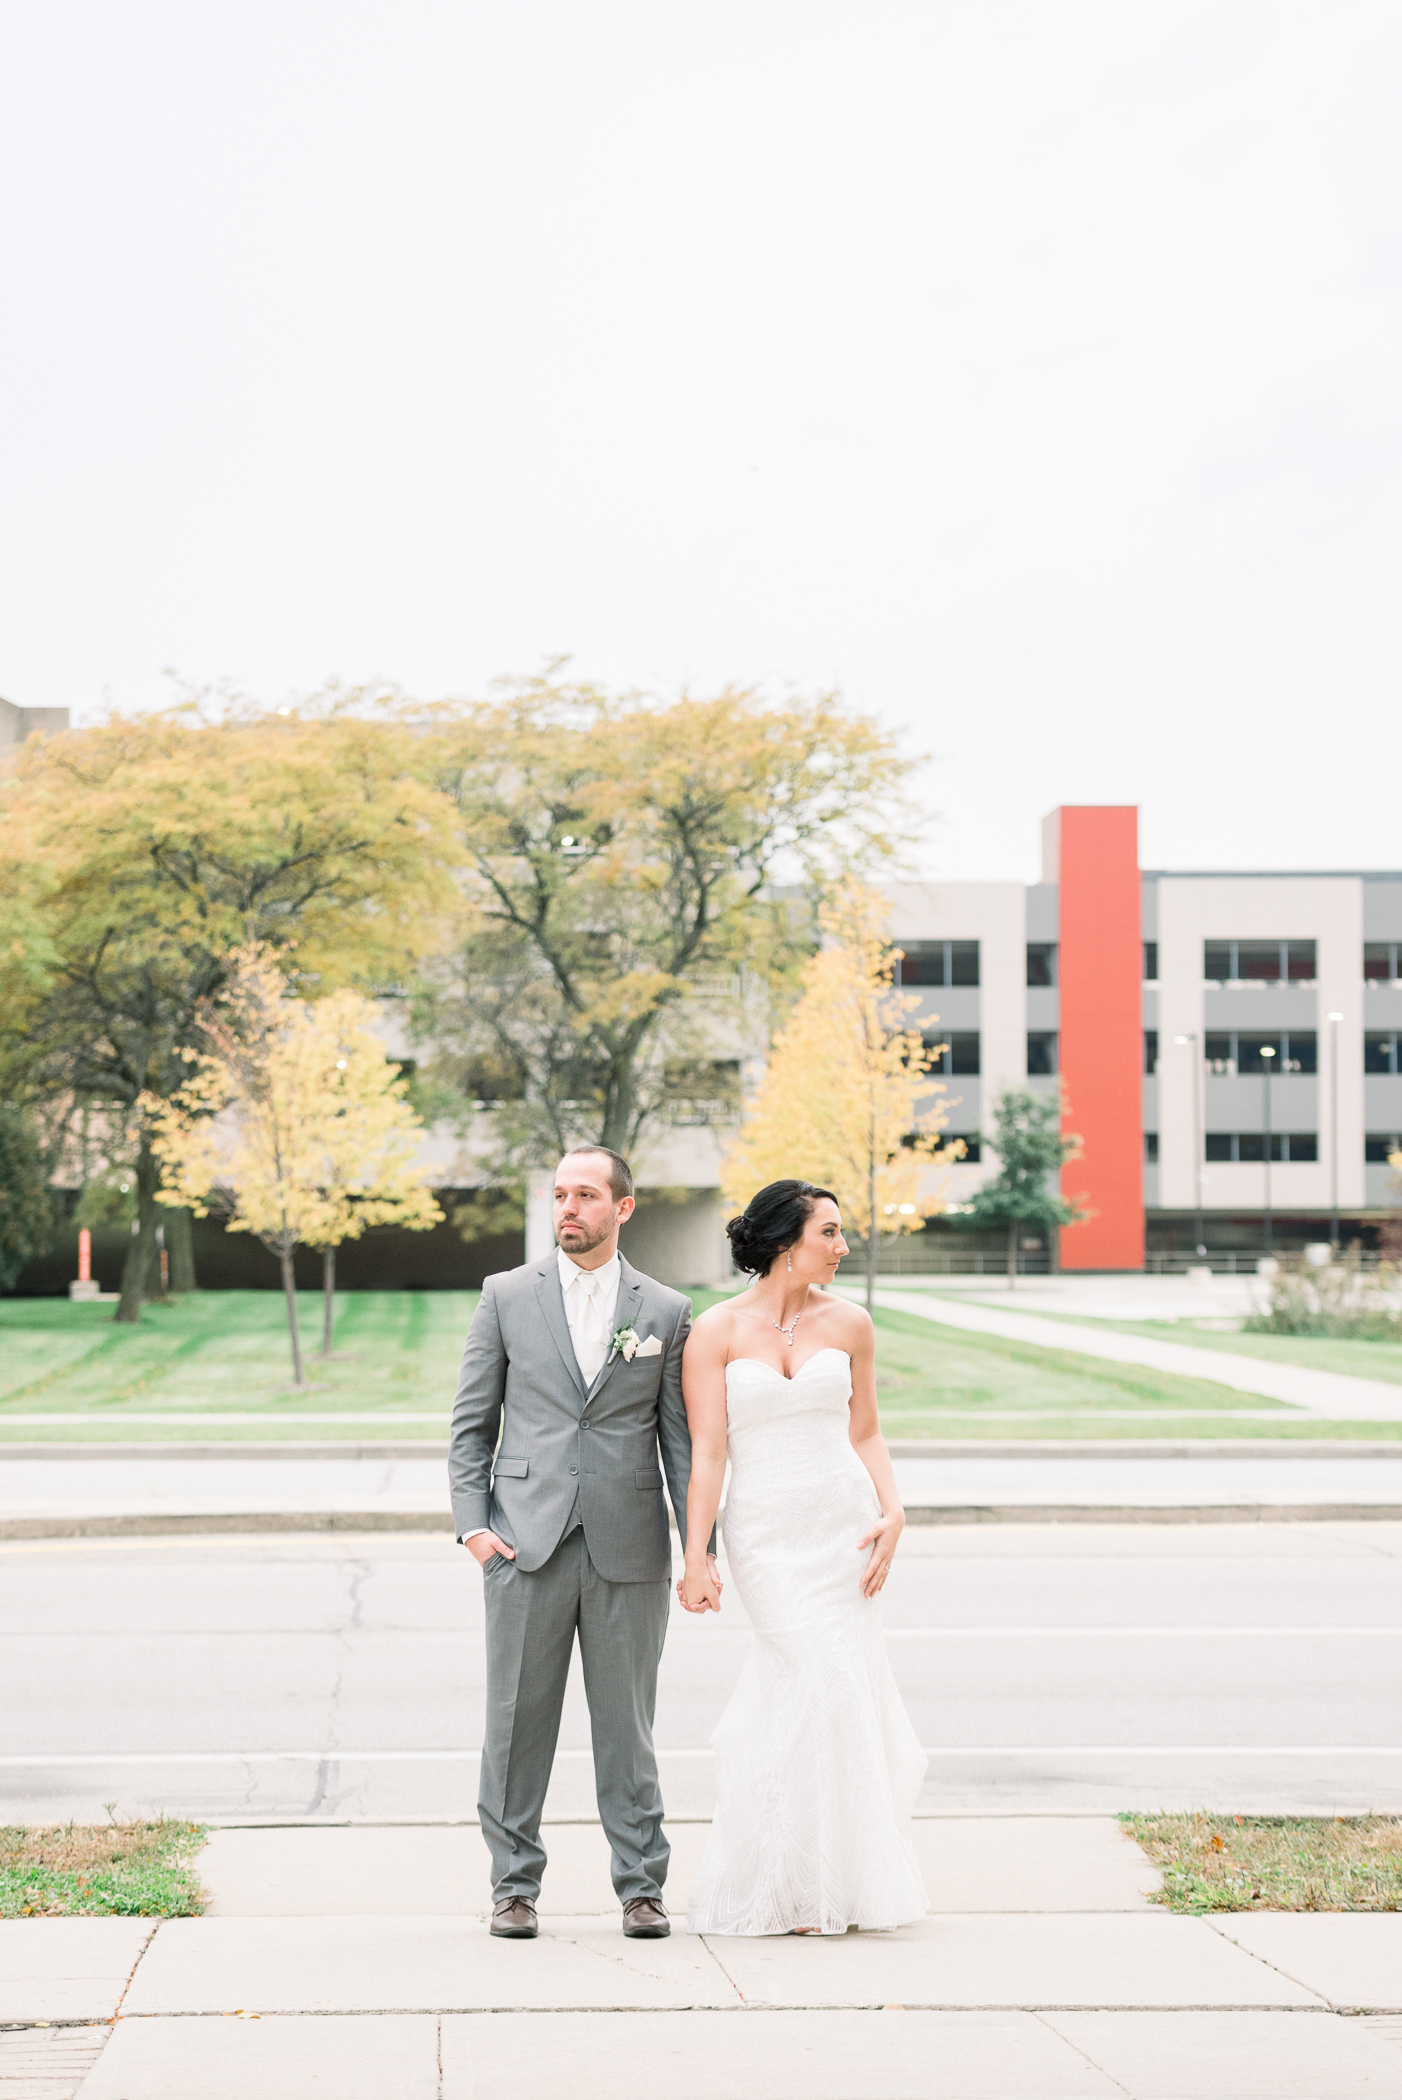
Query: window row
x=958 y=1053
x=1248 y=1145
x=957 y=962
x=1286 y=1145
x=1223 y=962
x=1278 y=962
x=1232 y=1052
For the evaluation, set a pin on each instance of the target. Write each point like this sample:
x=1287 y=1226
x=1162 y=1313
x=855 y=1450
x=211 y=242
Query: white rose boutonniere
x=625 y=1343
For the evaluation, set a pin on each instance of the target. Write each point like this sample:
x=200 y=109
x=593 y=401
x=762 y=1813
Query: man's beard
x=586 y=1242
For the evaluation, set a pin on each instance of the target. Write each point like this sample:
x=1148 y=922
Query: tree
x=846 y=1087
x=621 y=853
x=291 y=1124
x=370 y=1142
x=1031 y=1148
x=136 y=855
x=26 y=1203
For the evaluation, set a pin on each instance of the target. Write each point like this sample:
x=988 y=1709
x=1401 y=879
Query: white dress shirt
x=591 y=1301
x=591 y=1305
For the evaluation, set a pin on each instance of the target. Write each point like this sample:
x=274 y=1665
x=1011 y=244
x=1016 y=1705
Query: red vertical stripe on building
x=1102 y=1041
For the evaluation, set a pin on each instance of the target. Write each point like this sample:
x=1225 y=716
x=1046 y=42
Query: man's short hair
x=620 y=1175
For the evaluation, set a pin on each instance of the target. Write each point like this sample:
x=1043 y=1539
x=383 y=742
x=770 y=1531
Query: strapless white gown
x=818 y=1768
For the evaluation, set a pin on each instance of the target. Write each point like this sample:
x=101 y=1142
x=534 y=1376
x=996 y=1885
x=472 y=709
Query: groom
x=574 y=1362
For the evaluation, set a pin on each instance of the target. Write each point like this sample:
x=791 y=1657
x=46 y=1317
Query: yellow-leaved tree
x=293 y=1125
x=846 y=1100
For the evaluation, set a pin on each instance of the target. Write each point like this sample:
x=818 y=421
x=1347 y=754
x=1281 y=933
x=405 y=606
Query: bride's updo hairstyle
x=772 y=1221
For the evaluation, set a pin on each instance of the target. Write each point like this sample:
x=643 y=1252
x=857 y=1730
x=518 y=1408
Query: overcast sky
x=1030 y=371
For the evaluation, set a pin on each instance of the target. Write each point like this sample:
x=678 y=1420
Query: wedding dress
x=818 y=1768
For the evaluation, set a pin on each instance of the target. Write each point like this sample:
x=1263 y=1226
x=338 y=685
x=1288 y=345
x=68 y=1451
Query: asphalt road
x=1048 y=1668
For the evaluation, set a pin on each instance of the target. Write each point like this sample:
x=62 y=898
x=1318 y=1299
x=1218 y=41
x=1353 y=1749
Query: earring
x=789 y=1259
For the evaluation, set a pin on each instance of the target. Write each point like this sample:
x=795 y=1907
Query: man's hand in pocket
x=483 y=1544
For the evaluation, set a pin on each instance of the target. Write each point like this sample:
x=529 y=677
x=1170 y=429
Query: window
x=1379 y=961
x=1042 y=1062
x=1041 y=962
x=1151 y=962
x=937 y=962
x=1288 y=1147
x=1151 y=1050
x=1234 y=1051
x=1151 y=1148
x=1259 y=962
x=958 y=1054
x=973 y=1152
x=1379 y=1052
x=1379 y=1146
x=702 y=1089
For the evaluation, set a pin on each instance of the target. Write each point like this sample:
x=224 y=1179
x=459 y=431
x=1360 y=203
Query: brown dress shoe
x=514 y=1919
x=645 y=1919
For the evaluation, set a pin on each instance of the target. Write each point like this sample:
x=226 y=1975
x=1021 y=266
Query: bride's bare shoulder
x=713 y=1326
x=850 y=1325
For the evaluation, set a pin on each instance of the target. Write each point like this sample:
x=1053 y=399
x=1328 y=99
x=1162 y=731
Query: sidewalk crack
x=1273 y=1966
x=131 y=1973
x=1083 y=2053
x=723 y=1969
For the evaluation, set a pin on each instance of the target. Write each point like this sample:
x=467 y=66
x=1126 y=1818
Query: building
x=18 y=723
x=1228 y=1043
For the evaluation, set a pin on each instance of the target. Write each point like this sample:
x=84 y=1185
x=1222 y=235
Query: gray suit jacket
x=520 y=1383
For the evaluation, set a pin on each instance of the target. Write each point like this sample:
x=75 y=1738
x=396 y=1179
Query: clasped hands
x=700 y=1587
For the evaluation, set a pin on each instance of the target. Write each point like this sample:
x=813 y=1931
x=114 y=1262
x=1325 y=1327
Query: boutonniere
x=625 y=1343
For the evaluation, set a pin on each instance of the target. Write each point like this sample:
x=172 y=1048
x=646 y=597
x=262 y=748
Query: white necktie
x=589 y=1348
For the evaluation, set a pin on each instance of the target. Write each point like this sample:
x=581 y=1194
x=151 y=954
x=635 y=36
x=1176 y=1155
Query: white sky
x=1031 y=371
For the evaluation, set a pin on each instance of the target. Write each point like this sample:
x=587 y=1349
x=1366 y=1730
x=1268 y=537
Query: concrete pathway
x=384 y=1991
x=1329 y=1393
x=141 y=1491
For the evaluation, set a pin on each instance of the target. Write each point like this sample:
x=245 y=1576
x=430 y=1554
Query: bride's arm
x=870 y=1447
x=703 y=1390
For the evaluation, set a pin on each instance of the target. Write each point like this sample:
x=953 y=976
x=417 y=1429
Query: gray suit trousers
x=532 y=1620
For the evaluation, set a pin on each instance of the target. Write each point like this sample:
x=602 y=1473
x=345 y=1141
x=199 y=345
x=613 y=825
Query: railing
x=926 y=1261
x=1229 y=1264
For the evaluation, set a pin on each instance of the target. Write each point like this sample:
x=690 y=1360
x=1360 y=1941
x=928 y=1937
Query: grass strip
x=1214 y=1863
x=103 y=1870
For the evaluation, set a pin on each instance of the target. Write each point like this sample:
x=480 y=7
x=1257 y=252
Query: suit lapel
x=630 y=1298
x=552 y=1304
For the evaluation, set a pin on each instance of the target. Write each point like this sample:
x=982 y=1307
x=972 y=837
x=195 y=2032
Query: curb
x=192 y=1524
x=899 y=1447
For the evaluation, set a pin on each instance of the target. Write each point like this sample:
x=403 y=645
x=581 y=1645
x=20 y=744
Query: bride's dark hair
x=772 y=1221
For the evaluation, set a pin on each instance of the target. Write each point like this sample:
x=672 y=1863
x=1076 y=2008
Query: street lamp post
x=1334 y=1020
x=1191 y=1042
x=1267 y=1053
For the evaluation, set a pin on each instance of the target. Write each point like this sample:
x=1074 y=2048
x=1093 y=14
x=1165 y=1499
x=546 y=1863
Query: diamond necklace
x=786 y=1332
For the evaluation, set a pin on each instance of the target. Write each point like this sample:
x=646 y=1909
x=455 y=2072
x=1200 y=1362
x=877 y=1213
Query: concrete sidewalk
x=142 y=1491
x=356 y=1962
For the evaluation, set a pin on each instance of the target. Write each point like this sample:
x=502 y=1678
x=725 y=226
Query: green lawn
x=941 y=1381
x=220 y=1355
x=218 y=1352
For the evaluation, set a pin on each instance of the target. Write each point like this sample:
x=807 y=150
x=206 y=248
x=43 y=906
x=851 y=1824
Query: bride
x=817 y=1766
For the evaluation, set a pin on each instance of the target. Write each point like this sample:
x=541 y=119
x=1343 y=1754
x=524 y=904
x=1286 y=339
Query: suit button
x=574 y=1469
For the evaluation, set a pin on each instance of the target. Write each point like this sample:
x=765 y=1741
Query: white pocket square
x=650 y=1347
